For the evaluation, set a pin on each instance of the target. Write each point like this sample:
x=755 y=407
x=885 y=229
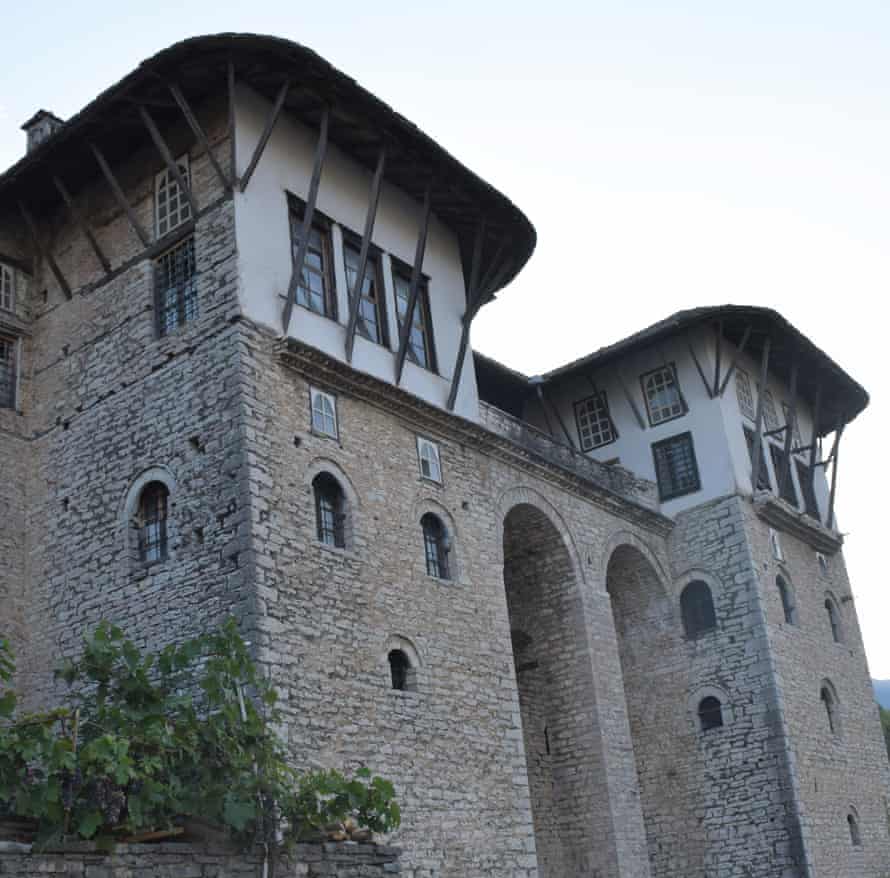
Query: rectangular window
x=763 y=483
x=744 y=394
x=778 y=455
x=324 y=413
x=428 y=455
x=595 y=427
x=7 y=371
x=675 y=467
x=172 y=207
x=316 y=289
x=805 y=478
x=176 y=286
x=796 y=434
x=420 y=339
x=371 y=310
x=7 y=288
x=664 y=401
x=770 y=418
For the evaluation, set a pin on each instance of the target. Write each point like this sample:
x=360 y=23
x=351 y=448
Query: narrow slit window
x=7 y=288
x=371 y=310
x=829 y=703
x=324 y=413
x=8 y=356
x=595 y=427
x=664 y=401
x=710 y=713
x=152 y=523
x=176 y=286
x=330 y=511
x=834 y=620
x=437 y=546
x=697 y=609
x=853 y=826
x=430 y=465
x=172 y=206
x=315 y=290
x=399 y=670
x=787 y=602
x=676 y=470
x=420 y=338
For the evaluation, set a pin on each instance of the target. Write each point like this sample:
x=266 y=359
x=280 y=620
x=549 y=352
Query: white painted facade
x=264 y=245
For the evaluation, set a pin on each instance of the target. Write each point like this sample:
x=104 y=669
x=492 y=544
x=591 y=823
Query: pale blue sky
x=669 y=154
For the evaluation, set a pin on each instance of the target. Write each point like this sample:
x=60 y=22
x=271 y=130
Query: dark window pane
x=785 y=596
x=420 y=347
x=435 y=543
x=153 y=523
x=315 y=290
x=697 y=608
x=805 y=477
x=762 y=476
x=399 y=666
x=7 y=372
x=710 y=713
x=176 y=286
x=371 y=314
x=329 y=511
x=675 y=467
x=789 y=495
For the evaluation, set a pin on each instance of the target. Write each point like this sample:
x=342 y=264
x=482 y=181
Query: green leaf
x=89 y=823
x=238 y=812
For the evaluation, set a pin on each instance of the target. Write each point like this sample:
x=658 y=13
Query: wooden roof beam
x=45 y=252
x=758 y=420
x=199 y=133
x=119 y=196
x=271 y=119
x=167 y=156
x=82 y=224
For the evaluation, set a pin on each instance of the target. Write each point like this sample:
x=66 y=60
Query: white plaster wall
x=715 y=424
x=263 y=236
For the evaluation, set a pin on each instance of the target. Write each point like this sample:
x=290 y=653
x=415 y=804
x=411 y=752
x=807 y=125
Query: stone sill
x=786 y=518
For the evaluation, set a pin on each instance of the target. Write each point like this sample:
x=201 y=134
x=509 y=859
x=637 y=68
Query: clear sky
x=670 y=154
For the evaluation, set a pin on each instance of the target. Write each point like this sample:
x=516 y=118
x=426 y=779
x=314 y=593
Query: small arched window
x=829 y=702
x=834 y=620
x=400 y=670
x=853 y=824
x=697 y=606
x=330 y=510
x=152 y=522
x=437 y=546
x=710 y=713
x=787 y=601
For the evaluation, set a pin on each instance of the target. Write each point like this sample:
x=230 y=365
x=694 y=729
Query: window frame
x=159 y=520
x=296 y=210
x=777 y=456
x=374 y=271
x=835 y=621
x=187 y=305
x=671 y=369
x=7 y=288
x=763 y=477
x=602 y=401
x=440 y=566
x=401 y=271
x=786 y=596
x=13 y=344
x=807 y=489
x=690 y=613
x=317 y=392
x=184 y=208
x=710 y=715
x=424 y=442
x=330 y=501
x=664 y=495
x=831 y=705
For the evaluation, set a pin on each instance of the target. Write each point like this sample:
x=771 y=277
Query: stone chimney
x=40 y=127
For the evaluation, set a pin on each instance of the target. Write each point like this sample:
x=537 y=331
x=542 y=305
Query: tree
x=885 y=724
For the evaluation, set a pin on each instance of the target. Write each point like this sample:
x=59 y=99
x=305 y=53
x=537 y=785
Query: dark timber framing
x=233 y=151
x=699 y=369
x=167 y=156
x=631 y=401
x=81 y=223
x=274 y=113
x=416 y=275
x=308 y=212
x=44 y=252
x=355 y=294
x=735 y=361
x=835 y=454
x=814 y=436
x=717 y=352
x=562 y=424
x=758 y=421
x=199 y=133
x=119 y=196
x=785 y=475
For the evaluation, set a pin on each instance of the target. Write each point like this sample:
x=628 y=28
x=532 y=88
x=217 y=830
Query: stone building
x=592 y=623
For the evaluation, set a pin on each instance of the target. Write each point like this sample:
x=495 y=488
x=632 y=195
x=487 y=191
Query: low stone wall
x=330 y=860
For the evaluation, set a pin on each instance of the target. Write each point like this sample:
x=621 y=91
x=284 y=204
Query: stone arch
x=835 y=617
x=554 y=677
x=129 y=507
x=324 y=465
x=710 y=690
x=396 y=643
x=655 y=671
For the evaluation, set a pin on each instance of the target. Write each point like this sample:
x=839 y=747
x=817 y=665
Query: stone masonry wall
x=834 y=772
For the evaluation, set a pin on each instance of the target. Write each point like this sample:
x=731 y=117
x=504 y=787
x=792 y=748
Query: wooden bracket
x=233 y=150
x=699 y=369
x=167 y=156
x=717 y=352
x=119 y=196
x=272 y=118
x=199 y=133
x=44 y=252
x=82 y=224
x=735 y=360
x=355 y=294
x=758 y=422
x=785 y=475
x=544 y=403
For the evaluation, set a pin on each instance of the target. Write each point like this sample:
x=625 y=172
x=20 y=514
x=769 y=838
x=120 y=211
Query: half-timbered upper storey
x=357 y=234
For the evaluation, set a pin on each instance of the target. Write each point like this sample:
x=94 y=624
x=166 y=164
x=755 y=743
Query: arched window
x=400 y=670
x=710 y=713
x=853 y=824
x=330 y=510
x=829 y=702
x=834 y=619
x=697 y=608
x=437 y=545
x=152 y=523
x=787 y=602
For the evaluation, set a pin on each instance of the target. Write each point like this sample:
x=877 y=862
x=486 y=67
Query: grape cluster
x=71 y=784
x=109 y=798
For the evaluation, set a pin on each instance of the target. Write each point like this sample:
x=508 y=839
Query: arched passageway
x=569 y=796
x=655 y=671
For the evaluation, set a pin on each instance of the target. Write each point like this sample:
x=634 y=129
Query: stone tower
x=236 y=292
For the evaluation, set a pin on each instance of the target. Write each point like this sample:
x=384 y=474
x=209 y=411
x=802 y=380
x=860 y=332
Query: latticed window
x=663 y=398
x=324 y=413
x=428 y=454
x=675 y=467
x=152 y=522
x=697 y=609
x=783 y=479
x=744 y=394
x=399 y=669
x=710 y=713
x=7 y=288
x=770 y=418
x=172 y=207
x=176 y=286
x=7 y=371
x=420 y=339
x=787 y=602
x=371 y=312
x=330 y=510
x=437 y=546
x=595 y=427
x=316 y=288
